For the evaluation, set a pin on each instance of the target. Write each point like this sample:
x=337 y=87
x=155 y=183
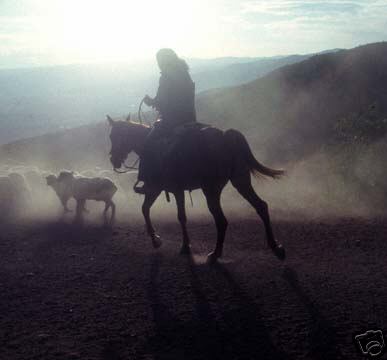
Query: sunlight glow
x=37 y=32
x=107 y=30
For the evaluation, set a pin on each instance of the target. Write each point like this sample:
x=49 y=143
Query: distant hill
x=286 y=114
x=243 y=72
x=290 y=112
x=324 y=119
x=41 y=100
x=80 y=148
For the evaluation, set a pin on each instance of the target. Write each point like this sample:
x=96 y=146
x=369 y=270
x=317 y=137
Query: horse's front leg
x=149 y=200
x=182 y=217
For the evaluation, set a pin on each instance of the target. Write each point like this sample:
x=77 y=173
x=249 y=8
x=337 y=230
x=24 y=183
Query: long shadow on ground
x=322 y=335
x=237 y=333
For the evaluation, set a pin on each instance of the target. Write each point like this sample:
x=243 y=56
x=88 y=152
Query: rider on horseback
x=175 y=102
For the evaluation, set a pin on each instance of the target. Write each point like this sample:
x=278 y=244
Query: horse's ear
x=110 y=120
x=128 y=117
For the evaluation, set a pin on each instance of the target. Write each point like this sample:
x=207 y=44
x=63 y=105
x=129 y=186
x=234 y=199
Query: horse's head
x=125 y=137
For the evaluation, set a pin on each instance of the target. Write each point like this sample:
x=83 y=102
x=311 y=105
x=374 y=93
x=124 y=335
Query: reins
x=139 y=111
x=141 y=114
x=128 y=167
x=133 y=166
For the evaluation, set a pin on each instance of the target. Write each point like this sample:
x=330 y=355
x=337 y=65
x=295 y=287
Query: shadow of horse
x=236 y=333
x=322 y=336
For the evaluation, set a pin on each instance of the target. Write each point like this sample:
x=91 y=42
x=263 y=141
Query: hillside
x=290 y=113
x=41 y=100
x=83 y=147
x=324 y=119
x=243 y=72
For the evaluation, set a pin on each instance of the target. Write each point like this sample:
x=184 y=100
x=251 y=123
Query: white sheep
x=23 y=193
x=15 y=198
x=88 y=173
x=61 y=189
x=82 y=189
x=7 y=198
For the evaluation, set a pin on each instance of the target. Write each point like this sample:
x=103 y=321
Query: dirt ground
x=95 y=293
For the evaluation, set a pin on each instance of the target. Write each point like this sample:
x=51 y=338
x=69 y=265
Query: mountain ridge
x=286 y=115
x=45 y=99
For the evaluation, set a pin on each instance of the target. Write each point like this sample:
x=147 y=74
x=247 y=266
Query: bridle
x=133 y=166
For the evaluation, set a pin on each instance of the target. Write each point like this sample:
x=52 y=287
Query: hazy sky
x=41 y=32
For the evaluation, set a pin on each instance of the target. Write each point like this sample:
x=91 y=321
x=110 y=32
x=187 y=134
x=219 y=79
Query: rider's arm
x=161 y=98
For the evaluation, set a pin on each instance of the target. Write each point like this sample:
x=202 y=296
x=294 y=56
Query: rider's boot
x=139 y=189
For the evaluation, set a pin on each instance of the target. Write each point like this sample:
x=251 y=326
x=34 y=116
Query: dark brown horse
x=204 y=158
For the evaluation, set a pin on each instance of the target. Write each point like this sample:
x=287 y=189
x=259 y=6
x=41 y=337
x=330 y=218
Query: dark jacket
x=175 y=99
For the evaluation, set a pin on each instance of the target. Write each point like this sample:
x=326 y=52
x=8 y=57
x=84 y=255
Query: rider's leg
x=148 y=169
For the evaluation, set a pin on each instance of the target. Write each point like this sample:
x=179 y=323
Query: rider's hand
x=148 y=100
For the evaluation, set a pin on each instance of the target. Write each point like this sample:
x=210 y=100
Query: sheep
x=82 y=189
x=35 y=180
x=15 y=198
x=4 y=169
x=62 y=191
x=7 y=198
x=23 y=198
x=88 y=173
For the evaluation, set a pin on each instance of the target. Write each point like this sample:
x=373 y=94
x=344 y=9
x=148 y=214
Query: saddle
x=177 y=150
x=167 y=142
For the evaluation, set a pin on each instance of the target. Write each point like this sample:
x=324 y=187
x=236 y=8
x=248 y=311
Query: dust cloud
x=315 y=187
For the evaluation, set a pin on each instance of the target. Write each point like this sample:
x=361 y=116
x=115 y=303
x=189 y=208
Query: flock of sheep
x=23 y=187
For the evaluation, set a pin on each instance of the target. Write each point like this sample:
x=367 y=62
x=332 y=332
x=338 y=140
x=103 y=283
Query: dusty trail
x=93 y=293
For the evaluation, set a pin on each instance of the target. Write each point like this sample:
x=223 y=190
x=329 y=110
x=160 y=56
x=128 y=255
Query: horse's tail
x=241 y=148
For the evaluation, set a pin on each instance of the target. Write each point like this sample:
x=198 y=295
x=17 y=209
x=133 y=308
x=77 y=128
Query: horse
x=207 y=159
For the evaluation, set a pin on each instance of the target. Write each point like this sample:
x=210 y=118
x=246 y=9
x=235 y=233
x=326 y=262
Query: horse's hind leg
x=182 y=217
x=149 y=199
x=213 y=202
x=244 y=187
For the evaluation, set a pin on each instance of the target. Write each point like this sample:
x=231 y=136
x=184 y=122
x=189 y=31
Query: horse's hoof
x=212 y=258
x=279 y=251
x=156 y=241
x=185 y=250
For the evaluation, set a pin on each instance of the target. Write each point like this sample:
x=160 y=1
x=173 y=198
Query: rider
x=175 y=102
